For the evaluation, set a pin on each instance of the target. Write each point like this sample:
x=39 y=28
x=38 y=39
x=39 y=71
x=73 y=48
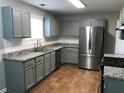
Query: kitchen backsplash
x=49 y=45
x=21 y=44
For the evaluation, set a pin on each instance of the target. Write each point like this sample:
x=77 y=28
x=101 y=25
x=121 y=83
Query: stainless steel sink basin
x=44 y=50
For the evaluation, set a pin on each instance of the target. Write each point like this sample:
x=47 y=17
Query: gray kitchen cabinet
x=70 y=55
x=62 y=55
x=29 y=76
x=52 y=65
x=47 y=26
x=47 y=64
x=51 y=27
x=122 y=15
x=20 y=76
x=113 y=85
x=16 y=23
x=94 y=22
x=39 y=68
x=26 y=24
x=70 y=28
x=54 y=27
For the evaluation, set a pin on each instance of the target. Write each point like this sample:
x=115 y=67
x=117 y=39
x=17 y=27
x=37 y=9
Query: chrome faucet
x=38 y=45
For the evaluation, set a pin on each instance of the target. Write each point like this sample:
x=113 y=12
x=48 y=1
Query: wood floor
x=69 y=79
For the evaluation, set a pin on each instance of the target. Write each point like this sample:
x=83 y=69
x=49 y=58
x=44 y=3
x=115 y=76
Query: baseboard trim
x=3 y=90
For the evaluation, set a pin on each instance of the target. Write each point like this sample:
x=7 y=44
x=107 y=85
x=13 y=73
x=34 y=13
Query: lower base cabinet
x=70 y=55
x=112 y=85
x=39 y=71
x=52 y=64
x=49 y=61
x=21 y=76
x=29 y=76
x=47 y=66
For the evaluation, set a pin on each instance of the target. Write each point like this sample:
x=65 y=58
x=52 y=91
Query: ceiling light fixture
x=77 y=3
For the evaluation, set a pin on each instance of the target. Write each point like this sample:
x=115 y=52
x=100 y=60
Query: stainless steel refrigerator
x=90 y=45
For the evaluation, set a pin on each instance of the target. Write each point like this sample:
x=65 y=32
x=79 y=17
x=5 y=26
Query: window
x=36 y=27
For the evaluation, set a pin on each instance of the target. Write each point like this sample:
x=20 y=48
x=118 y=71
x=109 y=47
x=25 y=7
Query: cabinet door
x=26 y=26
x=47 y=26
x=62 y=55
x=113 y=86
x=47 y=66
x=39 y=71
x=52 y=64
x=70 y=55
x=29 y=76
x=17 y=24
x=54 y=27
x=73 y=56
x=123 y=14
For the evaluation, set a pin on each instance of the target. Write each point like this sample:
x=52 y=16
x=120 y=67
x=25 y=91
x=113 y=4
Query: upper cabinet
x=51 y=27
x=16 y=23
x=122 y=15
x=70 y=28
x=93 y=22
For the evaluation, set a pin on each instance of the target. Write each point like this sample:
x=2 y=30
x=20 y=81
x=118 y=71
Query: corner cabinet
x=51 y=27
x=16 y=23
x=69 y=55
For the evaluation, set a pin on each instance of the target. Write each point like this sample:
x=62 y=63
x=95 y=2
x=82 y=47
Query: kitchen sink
x=44 y=50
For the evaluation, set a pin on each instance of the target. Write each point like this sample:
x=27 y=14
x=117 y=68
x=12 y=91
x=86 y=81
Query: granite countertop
x=30 y=55
x=57 y=47
x=114 y=72
x=25 y=57
x=114 y=55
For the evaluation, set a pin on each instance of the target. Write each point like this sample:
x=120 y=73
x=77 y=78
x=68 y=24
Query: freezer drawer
x=88 y=61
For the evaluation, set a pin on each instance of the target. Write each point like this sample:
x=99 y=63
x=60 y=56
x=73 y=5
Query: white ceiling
x=65 y=7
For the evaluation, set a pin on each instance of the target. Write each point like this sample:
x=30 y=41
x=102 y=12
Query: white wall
x=16 y=44
x=119 y=47
x=70 y=26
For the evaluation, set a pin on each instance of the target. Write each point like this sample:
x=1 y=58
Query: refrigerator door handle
x=90 y=41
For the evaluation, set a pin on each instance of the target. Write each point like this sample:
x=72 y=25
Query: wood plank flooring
x=69 y=79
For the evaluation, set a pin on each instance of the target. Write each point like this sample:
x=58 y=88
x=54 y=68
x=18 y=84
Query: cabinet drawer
x=29 y=63
x=47 y=56
x=38 y=59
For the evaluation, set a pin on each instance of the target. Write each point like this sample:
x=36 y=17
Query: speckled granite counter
x=27 y=54
x=114 y=66
x=114 y=72
x=114 y=55
x=24 y=56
